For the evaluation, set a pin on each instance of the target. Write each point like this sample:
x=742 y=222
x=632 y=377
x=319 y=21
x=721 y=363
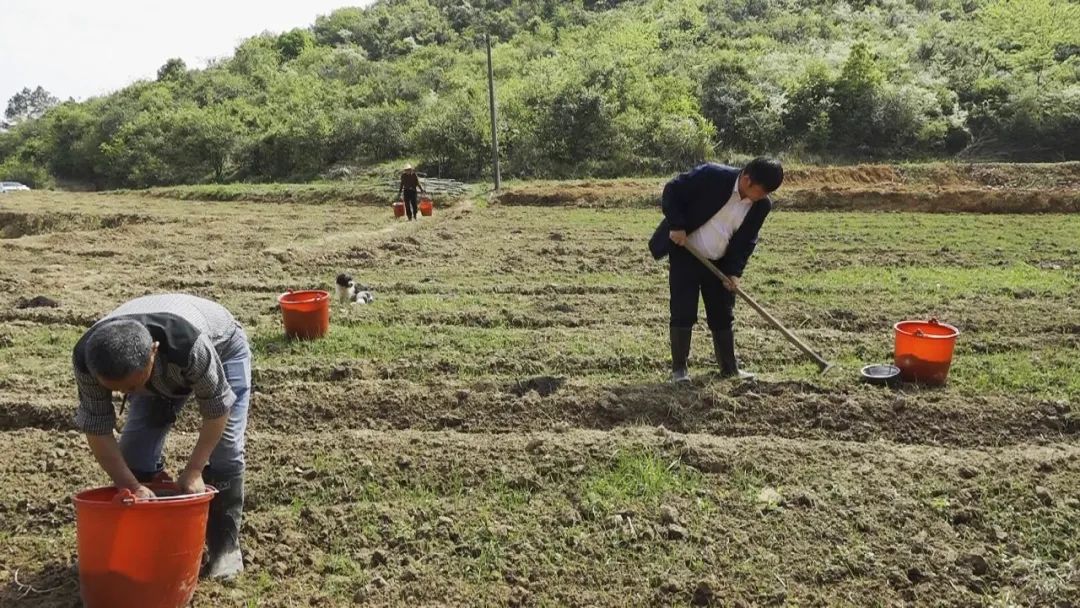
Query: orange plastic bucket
x=399 y=209
x=924 y=351
x=306 y=314
x=142 y=553
x=426 y=207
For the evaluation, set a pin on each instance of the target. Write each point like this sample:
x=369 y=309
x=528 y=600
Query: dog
x=348 y=292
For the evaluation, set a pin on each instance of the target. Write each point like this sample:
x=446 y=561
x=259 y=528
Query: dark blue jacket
x=692 y=198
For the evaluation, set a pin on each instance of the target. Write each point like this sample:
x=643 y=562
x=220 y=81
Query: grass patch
x=38 y=351
x=362 y=193
x=921 y=283
x=1049 y=373
x=463 y=351
x=259 y=587
x=636 y=479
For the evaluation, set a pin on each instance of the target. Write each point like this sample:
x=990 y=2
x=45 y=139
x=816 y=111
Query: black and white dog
x=348 y=292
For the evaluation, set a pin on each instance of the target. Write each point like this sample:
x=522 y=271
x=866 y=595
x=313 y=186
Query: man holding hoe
x=718 y=211
x=159 y=350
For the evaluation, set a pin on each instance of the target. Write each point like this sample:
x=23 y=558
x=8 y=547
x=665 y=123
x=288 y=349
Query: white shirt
x=713 y=237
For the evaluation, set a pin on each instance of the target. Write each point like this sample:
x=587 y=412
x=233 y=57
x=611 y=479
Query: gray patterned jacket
x=191 y=334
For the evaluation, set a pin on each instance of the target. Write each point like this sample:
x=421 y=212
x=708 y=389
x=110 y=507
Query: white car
x=12 y=186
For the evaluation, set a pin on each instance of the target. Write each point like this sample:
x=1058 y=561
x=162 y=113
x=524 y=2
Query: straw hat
x=408 y=168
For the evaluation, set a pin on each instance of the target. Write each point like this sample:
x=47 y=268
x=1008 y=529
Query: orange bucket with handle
x=924 y=351
x=305 y=314
x=399 y=209
x=426 y=207
x=140 y=552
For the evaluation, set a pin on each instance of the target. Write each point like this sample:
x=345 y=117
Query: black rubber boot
x=224 y=559
x=724 y=345
x=680 y=353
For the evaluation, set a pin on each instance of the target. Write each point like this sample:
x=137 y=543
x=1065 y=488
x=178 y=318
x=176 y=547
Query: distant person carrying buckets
x=160 y=350
x=410 y=184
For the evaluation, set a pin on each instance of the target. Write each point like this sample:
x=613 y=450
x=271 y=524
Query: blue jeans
x=143 y=436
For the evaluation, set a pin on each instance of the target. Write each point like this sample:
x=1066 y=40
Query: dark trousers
x=412 y=200
x=687 y=278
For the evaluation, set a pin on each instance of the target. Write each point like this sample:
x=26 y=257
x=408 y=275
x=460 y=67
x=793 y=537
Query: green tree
x=339 y=27
x=450 y=135
x=173 y=70
x=586 y=89
x=1027 y=35
x=29 y=104
x=204 y=142
x=679 y=141
x=807 y=119
x=372 y=134
x=25 y=172
x=134 y=155
x=855 y=100
x=575 y=128
x=292 y=44
x=258 y=60
x=72 y=142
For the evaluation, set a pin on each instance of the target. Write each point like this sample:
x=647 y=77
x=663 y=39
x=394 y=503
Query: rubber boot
x=680 y=353
x=724 y=345
x=224 y=559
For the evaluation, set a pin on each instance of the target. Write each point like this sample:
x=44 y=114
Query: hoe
x=822 y=364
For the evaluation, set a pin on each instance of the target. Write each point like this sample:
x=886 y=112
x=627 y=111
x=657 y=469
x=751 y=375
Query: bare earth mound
x=936 y=188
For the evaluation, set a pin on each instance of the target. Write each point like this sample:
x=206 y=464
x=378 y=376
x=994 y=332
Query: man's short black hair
x=767 y=172
x=118 y=349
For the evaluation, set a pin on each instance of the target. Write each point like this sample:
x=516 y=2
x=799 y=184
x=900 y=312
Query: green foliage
x=72 y=145
x=291 y=45
x=450 y=135
x=31 y=174
x=745 y=115
x=374 y=133
x=855 y=97
x=1028 y=35
x=174 y=69
x=587 y=88
x=387 y=29
x=28 y=105
x=1015 y=67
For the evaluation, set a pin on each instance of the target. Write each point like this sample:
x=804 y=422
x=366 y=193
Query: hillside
x=586 y=89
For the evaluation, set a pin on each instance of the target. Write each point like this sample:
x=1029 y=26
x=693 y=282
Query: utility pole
x=494 y=116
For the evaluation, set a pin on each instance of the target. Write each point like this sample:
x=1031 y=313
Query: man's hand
x=678 y=237
x=191 y=482
x=107 y=453
x=731 y=283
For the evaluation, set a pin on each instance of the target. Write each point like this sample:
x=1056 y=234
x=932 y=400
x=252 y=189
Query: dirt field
x=496 y=429
x=929 y=188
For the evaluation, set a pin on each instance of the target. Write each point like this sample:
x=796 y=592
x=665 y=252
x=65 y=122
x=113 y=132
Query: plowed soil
x=496 y=428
